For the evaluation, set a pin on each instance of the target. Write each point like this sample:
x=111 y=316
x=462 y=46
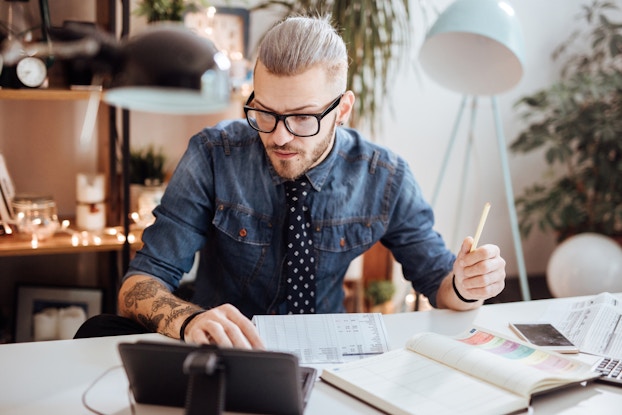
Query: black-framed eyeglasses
x=300 y=125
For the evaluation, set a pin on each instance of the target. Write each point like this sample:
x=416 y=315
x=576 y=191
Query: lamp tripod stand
x=509 y=194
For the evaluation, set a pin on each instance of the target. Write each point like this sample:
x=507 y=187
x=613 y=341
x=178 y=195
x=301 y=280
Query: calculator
x=610 y=369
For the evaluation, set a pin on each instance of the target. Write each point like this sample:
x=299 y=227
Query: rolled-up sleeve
x=412 y=239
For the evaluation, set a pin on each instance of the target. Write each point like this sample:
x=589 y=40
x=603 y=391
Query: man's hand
x=479 y=275
x=224 y=326
x=145 y=299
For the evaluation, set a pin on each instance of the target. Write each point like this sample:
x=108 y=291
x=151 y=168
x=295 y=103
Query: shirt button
x=242 y=233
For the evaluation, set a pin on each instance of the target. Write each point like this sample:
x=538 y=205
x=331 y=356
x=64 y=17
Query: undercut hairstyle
x=299 y=43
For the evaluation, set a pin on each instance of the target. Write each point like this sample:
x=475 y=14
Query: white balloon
x=585 y=264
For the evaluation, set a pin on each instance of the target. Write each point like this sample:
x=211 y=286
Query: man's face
x=306 y=93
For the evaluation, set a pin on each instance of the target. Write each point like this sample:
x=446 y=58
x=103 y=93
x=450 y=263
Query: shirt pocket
x=343 y=237
x=243 y=239
x=242 y=226
x=337 y=245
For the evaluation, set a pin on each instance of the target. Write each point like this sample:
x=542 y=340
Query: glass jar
x=35 y=215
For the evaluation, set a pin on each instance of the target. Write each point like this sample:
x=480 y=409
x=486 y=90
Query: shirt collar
x=318 y=175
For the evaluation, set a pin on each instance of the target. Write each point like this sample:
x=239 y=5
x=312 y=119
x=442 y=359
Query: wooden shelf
x=45 y=94
x=65 y=243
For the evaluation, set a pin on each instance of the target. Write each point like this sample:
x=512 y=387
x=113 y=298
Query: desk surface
x=51 y=377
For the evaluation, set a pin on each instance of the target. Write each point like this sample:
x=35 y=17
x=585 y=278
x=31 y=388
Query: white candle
x=90 y=197
x=45 y=325
x=90 y=188
x=69 y=321
x=91 y=216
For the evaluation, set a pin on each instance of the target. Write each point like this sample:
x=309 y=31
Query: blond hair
x=299 y=43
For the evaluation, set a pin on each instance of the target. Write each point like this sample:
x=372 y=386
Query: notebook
x=256 y=381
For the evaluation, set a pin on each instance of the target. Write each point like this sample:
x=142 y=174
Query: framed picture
x=227 y=27
x=53 y=313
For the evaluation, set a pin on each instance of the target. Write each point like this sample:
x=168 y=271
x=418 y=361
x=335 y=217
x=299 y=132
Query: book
x=477 y=372
x=324 y=338
x=5 y=218
x=7 y=192
x=6 y=186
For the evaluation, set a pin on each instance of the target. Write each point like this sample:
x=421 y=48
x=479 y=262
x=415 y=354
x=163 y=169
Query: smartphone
x=544 y=335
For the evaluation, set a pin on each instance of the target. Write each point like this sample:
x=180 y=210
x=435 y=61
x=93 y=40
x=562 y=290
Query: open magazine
x=478 y=372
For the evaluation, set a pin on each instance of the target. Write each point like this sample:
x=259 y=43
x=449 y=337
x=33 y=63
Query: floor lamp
x=476 y=48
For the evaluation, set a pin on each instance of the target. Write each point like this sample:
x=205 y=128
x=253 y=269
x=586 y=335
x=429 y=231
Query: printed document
x=324 y=338
x=593 y=324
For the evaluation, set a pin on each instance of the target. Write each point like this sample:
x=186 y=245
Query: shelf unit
x=113 y=131
x=44 y=94
x=73 y=241
x=65 y=243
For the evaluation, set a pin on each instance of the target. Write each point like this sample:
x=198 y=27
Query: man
x=227 y=198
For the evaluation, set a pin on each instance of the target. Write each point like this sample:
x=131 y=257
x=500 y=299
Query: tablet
x=256 y=381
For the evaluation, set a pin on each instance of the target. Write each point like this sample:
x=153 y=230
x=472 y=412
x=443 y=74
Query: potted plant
x=577 y=124
x=378 y=295
x=378 y=40
x=147 y=166
x=167 y=10
x=146 y=183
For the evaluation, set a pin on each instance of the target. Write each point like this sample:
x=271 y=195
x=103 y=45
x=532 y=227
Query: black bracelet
x=186 y=322
x=464 y=300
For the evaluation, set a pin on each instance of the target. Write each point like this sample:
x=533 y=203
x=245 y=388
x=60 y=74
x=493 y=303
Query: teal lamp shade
x=475 y=47
x=169 y=69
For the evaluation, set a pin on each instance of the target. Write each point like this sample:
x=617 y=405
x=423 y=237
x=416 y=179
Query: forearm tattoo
x=164 y=308
x=143 y=290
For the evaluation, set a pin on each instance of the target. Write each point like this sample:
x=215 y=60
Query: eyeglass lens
x=301 y=125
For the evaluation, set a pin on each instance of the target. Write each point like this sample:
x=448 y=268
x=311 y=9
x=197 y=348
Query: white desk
x=50 y=377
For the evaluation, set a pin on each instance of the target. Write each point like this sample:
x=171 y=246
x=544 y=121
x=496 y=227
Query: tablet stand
x=207 y=376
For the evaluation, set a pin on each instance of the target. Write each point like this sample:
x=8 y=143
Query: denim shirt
x=226 y=201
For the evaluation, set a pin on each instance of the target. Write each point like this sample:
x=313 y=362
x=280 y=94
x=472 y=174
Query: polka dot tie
x=300 y=265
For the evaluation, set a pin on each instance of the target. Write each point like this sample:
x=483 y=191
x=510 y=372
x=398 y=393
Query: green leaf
x=577 y=124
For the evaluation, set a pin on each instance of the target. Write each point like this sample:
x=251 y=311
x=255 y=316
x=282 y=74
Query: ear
x=345 y=107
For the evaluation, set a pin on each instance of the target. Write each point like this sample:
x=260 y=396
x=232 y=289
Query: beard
x=293 y=168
